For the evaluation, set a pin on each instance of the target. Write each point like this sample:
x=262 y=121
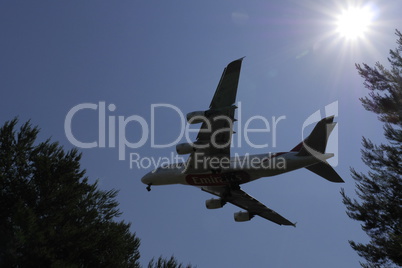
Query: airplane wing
x=225 y=94
x=241 y=199
x=216 y=131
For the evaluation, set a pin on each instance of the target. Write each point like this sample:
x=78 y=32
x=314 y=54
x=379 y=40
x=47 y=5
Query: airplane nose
x=146 y=179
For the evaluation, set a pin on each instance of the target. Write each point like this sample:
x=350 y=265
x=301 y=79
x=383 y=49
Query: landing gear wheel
x=149 y=187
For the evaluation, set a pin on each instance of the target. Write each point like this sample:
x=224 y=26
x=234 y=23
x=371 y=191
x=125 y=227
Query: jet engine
x=214 y=203
x=196 y=117
x=242 y=216
x=184 y=148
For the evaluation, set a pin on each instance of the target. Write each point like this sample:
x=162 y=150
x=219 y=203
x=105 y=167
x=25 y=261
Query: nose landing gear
x=149 y=187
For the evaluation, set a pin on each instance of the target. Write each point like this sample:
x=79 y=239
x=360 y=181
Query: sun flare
x=354 y=22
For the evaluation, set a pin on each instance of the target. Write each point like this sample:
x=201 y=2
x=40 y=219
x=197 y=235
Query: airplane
x=210 y=167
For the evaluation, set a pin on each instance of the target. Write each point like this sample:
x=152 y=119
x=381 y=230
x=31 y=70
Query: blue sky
x=55 y=55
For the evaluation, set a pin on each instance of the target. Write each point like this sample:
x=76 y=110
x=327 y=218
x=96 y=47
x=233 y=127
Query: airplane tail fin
x=315 y=145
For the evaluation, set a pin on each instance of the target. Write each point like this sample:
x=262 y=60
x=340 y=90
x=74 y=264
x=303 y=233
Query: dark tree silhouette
x=51 y=216
x=166 y=263
x=380 y=190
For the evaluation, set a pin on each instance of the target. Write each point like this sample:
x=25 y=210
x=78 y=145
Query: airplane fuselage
x=241 y=170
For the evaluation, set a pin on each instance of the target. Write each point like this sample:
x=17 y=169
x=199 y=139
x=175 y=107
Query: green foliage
x=380 y=190
x=50 y=215
x=165 y=263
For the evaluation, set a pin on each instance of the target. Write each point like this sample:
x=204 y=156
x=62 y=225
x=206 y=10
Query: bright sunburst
x=354 y=22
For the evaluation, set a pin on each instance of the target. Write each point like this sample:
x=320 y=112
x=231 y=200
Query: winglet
x=240 y=59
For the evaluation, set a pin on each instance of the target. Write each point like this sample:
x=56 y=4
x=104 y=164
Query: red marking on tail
x=297 y=148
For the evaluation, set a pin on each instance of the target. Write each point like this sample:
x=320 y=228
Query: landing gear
x=149 y=187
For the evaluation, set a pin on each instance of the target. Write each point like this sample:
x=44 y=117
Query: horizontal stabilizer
x=324 y=170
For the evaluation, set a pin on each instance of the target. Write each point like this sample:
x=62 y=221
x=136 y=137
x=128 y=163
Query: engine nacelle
x=184 y=148
x=196 y=117
x=214 y=203
x=242 y=216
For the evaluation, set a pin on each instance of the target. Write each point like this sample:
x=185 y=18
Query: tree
x=165 y=263
x=380 y=190
x=50 y=214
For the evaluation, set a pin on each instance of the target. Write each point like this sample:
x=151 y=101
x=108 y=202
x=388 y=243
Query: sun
x=354 y=22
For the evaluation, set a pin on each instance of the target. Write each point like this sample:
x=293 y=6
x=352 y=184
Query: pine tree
x=166 y=263
x=380 y=189
x=51 y=216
